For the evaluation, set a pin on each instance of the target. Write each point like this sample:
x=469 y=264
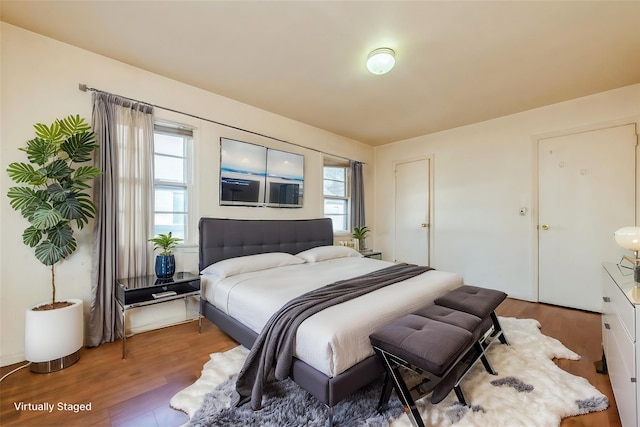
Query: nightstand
x=372 y=254
x=148 y=290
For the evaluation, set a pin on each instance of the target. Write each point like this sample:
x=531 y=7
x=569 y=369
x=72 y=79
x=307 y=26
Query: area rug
x=529 y=390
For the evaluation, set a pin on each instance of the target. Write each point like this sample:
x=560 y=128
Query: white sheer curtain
x=124 y=202
x=135 y=167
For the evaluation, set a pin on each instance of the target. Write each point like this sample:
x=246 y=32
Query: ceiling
x=456 y=62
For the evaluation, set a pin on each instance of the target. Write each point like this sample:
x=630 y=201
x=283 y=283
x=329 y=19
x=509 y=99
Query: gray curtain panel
x=105 y=322
x=357 y=195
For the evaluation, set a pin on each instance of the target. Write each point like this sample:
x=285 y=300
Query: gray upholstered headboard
x=222 y=238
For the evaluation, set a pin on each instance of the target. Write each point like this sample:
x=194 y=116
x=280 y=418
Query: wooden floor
x=136 y=391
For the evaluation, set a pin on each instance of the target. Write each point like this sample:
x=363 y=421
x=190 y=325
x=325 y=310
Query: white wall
x=483 y=173
x=40 y=78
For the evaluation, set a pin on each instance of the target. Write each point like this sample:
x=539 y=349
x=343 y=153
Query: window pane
x=336 y=174
x=167 y=144
x=334 y=182
x=339 y=222
x=334 y=188
x=337 y=211
x=332 y=207
x=170 y=199
x=169 y=168
x=174 y=223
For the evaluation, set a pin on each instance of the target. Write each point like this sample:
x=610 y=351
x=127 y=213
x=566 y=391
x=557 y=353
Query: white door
x=586 y=192
x=412 y=187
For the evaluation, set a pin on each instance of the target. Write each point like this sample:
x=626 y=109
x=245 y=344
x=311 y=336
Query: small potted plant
x=360 y=233
x=165 y=261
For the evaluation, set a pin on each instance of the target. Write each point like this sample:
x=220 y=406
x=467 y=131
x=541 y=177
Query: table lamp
x=629 y=238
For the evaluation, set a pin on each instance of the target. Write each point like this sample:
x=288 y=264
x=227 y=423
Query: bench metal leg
x=497 y=329
x=460 y=395
x=405 y=397
x=393 y=371
x=485 y=362
x=387 y=388
x=487 y=365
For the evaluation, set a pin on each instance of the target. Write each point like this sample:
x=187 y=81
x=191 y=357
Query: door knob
x=424 y=225
x=544 y=226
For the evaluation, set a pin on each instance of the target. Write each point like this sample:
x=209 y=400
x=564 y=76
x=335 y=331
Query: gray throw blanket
x=274 y=345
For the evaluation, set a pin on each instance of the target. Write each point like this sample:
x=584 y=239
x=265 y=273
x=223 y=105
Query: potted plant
x=165 y=261
x=360 y=233
x=52 y=195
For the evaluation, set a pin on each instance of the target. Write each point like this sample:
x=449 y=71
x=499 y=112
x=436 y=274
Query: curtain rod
x=83 y=87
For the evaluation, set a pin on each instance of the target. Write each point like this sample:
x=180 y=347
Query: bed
x=333 y=357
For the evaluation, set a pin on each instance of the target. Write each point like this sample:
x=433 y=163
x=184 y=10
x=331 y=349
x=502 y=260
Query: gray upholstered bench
x=480 y=302
x=440 y=343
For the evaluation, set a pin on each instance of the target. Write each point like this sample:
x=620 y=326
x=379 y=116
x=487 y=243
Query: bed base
x=328 y=390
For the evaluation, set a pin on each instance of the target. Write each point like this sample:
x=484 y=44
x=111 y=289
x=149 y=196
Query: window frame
x=338 y=163
x=187 y=185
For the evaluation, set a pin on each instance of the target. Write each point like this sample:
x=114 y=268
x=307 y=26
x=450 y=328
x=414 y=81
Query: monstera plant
x=53 y=189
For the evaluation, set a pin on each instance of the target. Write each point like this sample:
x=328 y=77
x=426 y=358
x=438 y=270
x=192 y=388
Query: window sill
x=188 y=248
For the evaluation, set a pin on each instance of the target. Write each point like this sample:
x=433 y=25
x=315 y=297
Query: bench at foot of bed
x=431 y=350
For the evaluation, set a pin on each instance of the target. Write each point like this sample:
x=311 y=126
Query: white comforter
x=336 y=338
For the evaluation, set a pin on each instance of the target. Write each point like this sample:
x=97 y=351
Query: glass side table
x=371 y=254
x=141 y=291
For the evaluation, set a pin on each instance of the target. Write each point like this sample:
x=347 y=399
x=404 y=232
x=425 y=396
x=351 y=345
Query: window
x=172 y=179
x=336 y=194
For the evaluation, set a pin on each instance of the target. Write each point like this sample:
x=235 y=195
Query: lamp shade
x=628 y=238
x=381 y=61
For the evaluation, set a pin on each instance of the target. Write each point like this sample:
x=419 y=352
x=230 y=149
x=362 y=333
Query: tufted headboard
x=222 y=238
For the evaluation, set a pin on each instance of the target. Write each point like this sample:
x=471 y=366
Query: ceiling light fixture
x=381 y=61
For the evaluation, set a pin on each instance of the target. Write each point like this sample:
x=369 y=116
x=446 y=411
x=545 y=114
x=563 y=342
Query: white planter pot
x=53 y=338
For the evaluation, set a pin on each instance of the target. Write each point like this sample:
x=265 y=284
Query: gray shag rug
x=286 y=404
x=529 y=390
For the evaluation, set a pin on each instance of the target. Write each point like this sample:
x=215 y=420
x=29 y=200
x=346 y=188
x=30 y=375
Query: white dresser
x=620 y=328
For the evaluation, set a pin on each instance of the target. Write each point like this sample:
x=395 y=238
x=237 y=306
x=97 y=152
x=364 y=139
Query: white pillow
x=323 y=253
x=246 y=264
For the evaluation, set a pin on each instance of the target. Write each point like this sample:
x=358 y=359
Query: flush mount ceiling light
x=381 y=61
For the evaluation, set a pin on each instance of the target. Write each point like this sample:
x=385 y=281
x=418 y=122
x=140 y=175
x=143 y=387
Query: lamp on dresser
x=629 y=238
